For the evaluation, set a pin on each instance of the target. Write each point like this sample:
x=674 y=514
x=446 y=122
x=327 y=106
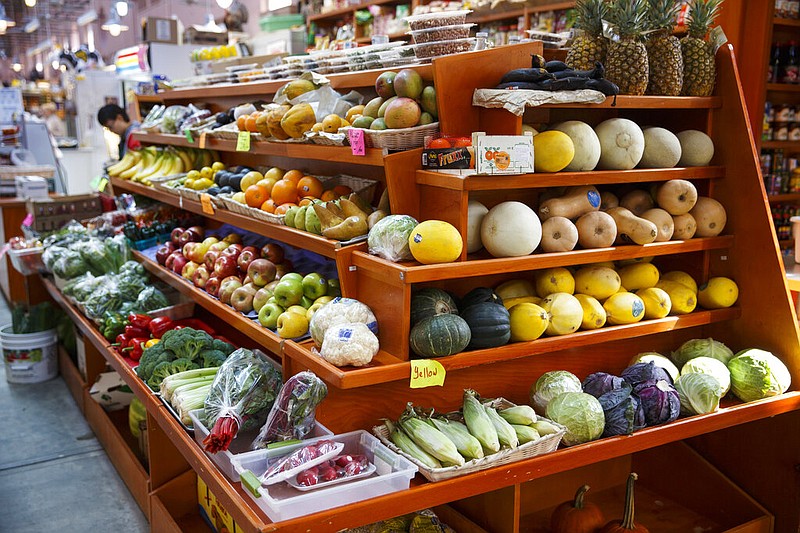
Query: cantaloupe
x=587 y=145
x=511 y=229
x=475 y=213
x=621 y=144
x=697 y=148
x=662 y=149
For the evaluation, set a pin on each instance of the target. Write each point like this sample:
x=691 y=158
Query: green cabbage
x=712 y=367
x=582 y=415
x=702 y=348
x=658 y=360
x=551 y=384
x=757 y=374
x=699 y=393
x=389 y=238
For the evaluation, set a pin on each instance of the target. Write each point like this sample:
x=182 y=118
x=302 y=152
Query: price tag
x=205 y=203
x=243 y=141
x=202 y=143
x=188 y=134
x=356 y=137
x=102 y=185
x=28 y=220
x=426 y=373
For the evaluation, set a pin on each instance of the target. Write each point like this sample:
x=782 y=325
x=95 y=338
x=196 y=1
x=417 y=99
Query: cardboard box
x=448 y=158
x=161 y=30
x=195 y=36
x=504 y=154
x=111 y=392
x=31 y=187
x=212 y=511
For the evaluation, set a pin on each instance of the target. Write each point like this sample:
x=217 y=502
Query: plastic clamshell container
x=286 y=475
x=444 y=48
x=439 y=18
x=305 y=488
x=442 y=33
x=282 y=502
x=240 y=445
x=27 y=261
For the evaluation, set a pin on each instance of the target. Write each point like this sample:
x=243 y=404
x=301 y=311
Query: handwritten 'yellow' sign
x=426 y=373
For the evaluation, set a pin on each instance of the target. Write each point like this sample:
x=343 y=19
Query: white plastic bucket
x=29 y=357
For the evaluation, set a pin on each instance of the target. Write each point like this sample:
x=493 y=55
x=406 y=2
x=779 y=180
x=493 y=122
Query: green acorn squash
x=440 y=336
x=430 y=302
x=480 y=295
x=489 y=324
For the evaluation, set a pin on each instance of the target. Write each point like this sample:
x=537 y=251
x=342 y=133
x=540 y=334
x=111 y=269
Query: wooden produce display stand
x=504 y=498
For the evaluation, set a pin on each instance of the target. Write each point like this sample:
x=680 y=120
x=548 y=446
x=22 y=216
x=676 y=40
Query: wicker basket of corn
x=483 y=434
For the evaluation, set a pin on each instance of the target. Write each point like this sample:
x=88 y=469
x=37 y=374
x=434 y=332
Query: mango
x=298 y=120
x=384 y=85
x=378 y=124
x=372 y=107
x=428 y=100
x=353 y=111
x=363 y=122
x=295 y=88
x=408 y=84
x=384 y=105
x=426 y=118
x=331 y=123
x=402 y=113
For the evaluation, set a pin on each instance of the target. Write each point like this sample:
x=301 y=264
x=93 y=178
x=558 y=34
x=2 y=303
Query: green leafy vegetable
x=757 y=374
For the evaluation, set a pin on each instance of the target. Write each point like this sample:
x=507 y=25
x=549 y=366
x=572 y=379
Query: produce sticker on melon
x=504 y=154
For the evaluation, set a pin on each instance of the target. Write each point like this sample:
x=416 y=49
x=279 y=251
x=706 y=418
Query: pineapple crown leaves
x=629 y=17
x=589 y=15
x=661 y=14
x=701 y=15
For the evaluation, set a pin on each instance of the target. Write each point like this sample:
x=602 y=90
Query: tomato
x=461 y=142
x=439 y=143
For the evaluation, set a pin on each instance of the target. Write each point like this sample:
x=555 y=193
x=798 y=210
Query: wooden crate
x=174 y=508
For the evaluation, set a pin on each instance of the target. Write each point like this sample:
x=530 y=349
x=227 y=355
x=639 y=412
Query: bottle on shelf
x=774 y=70
x=791 y=72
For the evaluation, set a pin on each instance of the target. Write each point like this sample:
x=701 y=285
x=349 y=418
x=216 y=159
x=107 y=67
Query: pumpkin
x=577 y=515
x=489 y=325
x=627 y=523
x=480 y=295
x=440 y=335
x=430 y=302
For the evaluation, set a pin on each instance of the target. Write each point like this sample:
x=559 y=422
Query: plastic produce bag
x=388 y=238
x=292 y=414
x=240 y=397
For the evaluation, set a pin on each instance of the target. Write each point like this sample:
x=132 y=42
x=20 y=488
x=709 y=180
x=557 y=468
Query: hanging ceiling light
x=17 y=66
x=30 y=3
x=5 y=22
x=121 y=7
x=113 y=25
x=224 y=4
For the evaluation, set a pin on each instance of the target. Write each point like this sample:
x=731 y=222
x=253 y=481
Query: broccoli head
x=187 y=342
x=223 y=347
x=212 y=358
x=181 y=364
x=161 y=370
x=150 y=358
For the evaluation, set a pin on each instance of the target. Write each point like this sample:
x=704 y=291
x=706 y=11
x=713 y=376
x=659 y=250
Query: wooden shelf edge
x=649 y=102
x=252 y=329
x=784 y=145
x=789 y=197
x=408 y=273
x=783 y=88
x=777 y=21
x=391 y=368
x=337 y=13
x=149 y=98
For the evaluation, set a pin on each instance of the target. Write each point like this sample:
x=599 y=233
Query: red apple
x=225 y=266
x=226 y=288
x=281 y=270
x=219 y=246
x=179 y=263
x=200 y=276
x=191 y=235
x=233 y=250
x=170 y=261
x=273 y=252
x=212 y=285
x=175 y=235
x=233 y=238
x=210 y=259
x=188 y=249
x=242 y=298
x=261 y=271
x=246 y=256
x=163 y=252
x=188 y=270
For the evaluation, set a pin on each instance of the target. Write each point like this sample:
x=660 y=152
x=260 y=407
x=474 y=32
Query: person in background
x=54 y=124
x=115 y=118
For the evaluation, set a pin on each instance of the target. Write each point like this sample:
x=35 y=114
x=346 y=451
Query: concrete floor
x=54 y=475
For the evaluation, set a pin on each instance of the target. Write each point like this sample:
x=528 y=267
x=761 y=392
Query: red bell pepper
x=135 y=331
x=195 y=323
x=159 y=326
x=134 y=351
x=140 y=321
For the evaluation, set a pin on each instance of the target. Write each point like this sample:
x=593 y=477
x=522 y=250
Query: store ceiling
x=60 y=15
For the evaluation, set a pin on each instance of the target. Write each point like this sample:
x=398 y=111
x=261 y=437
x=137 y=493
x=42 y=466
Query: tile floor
x=54 y=475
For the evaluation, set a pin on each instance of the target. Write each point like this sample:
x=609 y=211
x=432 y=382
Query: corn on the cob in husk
x=405 y=443
x=505 y=433
x=519 y=414
x=545 y=427
x=525 y=433
x=479 y=423
x=430 y=439
x=466 y=444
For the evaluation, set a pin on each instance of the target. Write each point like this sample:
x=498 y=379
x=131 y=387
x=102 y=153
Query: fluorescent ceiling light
x=87 y=18
x=30 y=3
x=32 y=26
x=224 y=4
x=5 y=22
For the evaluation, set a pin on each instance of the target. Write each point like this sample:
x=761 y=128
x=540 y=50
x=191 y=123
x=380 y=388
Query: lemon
x=624 y=308
x=552 y=280
x=193 y=175
x=435 y=241
x=218 y=165
x=598 y=281
x=638 y=276
x=683 y=299
x=552 y=151
x=681 y=277
x=656 y=302
x=528 y=322
x=508 y=303
x=239 y=197
x=565 y=313
x=594 y=316
x=719 y=292
x=202 y=184
x=515 y=288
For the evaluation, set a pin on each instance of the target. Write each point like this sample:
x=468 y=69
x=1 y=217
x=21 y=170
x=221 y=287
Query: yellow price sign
x=202 y=143
x=243 y=141
x=426 y=373
x=205 y=203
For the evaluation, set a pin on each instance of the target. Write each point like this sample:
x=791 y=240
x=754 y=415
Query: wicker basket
x=364 y=187
x=227 y=202
x=161 y=183
x=546 y=444
x=231 y=132
x=399 y=139
x=326 y=139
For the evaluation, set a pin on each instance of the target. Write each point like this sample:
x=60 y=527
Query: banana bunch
x=144 y=165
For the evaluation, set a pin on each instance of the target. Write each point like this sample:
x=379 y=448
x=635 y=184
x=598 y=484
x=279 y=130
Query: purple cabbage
x=641 y=372
x=600 y=383
x=660 y=401
x=623 y=411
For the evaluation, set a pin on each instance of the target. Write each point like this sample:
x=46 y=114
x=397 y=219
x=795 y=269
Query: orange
x=268 y=183
x=328 y=196
x=294 y=176
x=281 y=209
x=462 y=142
x=240 y=122
x=268 y=206
x=250 y=123
x=309 y=186
x=342 y=190
x=256 y=195
x=439 y=143
x=306 y=201
x=284 y=191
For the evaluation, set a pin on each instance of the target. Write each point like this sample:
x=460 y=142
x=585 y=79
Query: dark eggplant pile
x=557 y=76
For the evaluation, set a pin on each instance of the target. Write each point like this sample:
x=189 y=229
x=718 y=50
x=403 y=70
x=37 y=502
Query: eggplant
x=527 y=75
x=555 y=66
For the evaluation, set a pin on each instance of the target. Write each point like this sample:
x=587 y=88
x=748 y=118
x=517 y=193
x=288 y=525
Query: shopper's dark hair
x=110 y=112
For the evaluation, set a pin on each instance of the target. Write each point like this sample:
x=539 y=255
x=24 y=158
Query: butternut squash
x=576 y=202
x=637 y=202
x=685 y=227
x=608 y=200
x=632 y=229
x=559 y=234
x=676 y=197
x=663 y=221
x=596 y=230
x=710 y=216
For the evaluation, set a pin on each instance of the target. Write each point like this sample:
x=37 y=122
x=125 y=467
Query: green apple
x=268 y=315
x=323 y=299
x=292 y=325
x=306 y=302
x=292 y=275
x=333 y=287
x=288 y=292
x=299 y=309
x=314 y=286
x=311 y=310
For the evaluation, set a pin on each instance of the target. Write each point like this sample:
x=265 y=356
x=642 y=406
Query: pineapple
x=664 y=49
x=626 y=63
x=590 y=45
x=699 y=70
